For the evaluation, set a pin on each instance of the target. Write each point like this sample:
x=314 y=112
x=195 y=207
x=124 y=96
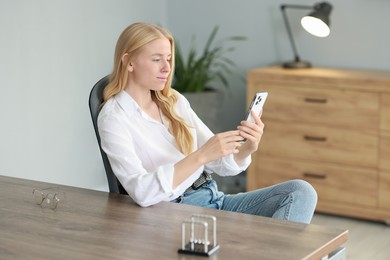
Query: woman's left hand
x=252 y=132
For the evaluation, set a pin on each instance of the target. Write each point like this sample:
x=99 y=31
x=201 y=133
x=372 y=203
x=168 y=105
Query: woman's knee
x=303 y=201
x=304 y=188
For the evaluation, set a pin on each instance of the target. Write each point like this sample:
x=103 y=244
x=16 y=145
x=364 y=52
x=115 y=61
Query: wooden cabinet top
x=366 y=80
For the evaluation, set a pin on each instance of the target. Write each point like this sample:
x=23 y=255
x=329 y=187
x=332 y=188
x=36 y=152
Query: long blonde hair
x=130 y=41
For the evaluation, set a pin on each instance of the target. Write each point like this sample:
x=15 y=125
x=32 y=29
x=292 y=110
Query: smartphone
x=256 y=105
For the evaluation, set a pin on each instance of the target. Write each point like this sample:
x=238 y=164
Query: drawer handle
x=314 y=175
x=315 y=138
x=316 y=100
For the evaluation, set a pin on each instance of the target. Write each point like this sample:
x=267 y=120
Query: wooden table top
x=99 y=225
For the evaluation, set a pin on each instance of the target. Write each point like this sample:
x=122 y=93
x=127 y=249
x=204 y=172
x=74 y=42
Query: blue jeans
x=293 y=200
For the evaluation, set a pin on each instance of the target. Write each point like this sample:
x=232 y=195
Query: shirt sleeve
x=145 y=188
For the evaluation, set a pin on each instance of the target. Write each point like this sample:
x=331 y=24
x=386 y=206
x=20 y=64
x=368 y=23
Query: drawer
x=385 y=112
x=319 y=143
x=350 y=109
x=384 y=152
x=384 y=190
x=333 y=183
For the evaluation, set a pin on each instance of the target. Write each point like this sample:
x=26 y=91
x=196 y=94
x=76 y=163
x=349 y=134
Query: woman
x=161 y=151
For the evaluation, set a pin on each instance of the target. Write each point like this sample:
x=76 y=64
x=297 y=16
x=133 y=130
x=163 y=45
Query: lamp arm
x=287 y=23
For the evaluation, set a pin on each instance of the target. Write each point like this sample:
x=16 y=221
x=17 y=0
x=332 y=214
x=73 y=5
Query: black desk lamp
x=316 y=23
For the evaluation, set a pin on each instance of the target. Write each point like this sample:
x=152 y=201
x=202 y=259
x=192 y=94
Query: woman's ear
x=125 y=62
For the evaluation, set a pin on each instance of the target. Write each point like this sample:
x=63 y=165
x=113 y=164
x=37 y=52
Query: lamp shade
x=317 y=22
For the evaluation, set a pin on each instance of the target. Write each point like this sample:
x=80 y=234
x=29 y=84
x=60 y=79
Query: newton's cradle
x=199 y=235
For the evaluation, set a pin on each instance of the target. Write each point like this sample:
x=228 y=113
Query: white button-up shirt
x=142 y=152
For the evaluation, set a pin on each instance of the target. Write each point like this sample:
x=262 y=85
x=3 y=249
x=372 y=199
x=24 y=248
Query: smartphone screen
x=256 y=105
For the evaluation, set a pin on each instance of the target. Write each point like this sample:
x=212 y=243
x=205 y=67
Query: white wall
x=51 y=54
x=53 y=51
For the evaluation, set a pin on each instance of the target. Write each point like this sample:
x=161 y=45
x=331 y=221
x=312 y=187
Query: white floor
x=367 y=240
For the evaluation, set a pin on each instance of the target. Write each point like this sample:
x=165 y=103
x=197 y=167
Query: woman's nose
x=166 y=67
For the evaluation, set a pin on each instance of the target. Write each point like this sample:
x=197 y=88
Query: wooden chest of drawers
x=330 y=127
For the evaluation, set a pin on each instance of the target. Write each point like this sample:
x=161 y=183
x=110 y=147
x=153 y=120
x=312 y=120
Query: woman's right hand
x=220 y=145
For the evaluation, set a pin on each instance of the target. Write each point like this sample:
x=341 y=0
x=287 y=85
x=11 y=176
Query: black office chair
x=95 y=100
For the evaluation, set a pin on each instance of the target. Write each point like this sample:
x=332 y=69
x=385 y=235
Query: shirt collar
x=127 y=102
x=130 y=106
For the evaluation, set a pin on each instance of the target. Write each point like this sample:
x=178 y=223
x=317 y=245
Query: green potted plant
x=195 y=73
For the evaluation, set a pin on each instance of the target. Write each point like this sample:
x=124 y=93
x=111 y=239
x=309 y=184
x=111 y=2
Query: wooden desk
x=99 y=225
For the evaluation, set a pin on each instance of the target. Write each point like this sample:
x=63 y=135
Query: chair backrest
x=95 y=100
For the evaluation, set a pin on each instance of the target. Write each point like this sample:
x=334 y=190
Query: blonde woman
x=160 y=150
